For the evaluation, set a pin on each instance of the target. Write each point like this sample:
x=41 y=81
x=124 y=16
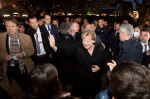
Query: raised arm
x=52 y=42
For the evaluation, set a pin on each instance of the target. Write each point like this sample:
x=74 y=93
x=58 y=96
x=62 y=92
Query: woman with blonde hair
x=90 y=61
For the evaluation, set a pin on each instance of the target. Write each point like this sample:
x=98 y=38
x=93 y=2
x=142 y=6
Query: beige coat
x=26 y=46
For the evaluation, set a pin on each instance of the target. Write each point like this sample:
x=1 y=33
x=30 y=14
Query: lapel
x=21 y=41
x=51 y=28
x=117 y=35
x=41 y=32
x=43 y=36
x=44 y=30
x=6 y=38
x=45 y=27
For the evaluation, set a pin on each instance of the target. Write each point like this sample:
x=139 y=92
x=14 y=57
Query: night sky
x=133 y=3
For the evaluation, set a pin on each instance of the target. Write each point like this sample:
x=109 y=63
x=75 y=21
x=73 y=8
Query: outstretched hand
x=111 y=65
x=51 y=41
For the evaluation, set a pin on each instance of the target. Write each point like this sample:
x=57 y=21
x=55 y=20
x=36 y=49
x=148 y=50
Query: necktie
x=73 y=37
x=37 y=44
x=145 y=48
x=116 y=33
x=49 y=30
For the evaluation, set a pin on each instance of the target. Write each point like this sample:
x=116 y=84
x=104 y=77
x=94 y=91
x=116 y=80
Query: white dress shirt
x=47 y=28
x=143 y=44
x=40 y=41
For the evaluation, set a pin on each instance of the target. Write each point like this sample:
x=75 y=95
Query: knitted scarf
x=14 y=48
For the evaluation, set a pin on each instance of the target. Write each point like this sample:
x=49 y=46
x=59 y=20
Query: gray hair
x=65 y=28
x=127 y=28
x=72 y=23
x=89 y=29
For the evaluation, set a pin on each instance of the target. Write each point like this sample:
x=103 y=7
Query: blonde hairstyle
x=89 y=33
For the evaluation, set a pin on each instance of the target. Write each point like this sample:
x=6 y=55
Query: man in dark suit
x=102 y=31
x=130 y=48
x=114 y=41
x=65 y=50
x=40 y=42
x=75 y=31
x=144 y=40
x=50 y=28
x=92 y=27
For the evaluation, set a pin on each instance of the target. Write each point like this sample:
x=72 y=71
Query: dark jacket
x=146 y=58
x=102 y=33
x=4 y=94
x=114 y=42
x=87 y=81
x=130 y=50
x=105 y=94
x=78 y=37
x=54 y=31
x=65 y=54
x=46 y=45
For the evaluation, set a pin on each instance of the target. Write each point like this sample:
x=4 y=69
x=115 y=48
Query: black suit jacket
x=54 y=31
x=46 y=45
x=65 y=54
x=86 y=79
x=103 y=33
x=146 y=58
x=78 y=36
x=130 y=50
x=114 y=42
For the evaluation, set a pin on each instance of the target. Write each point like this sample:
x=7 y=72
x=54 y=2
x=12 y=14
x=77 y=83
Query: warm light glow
x=135 y=15
x=55 y=14
x=89 y=14
x=15 y=13
x=24 y=15
x=103 y=14
x=6 y=15
x=63 y=13
x=69 y=14
x=112 y=15
x=14 y=6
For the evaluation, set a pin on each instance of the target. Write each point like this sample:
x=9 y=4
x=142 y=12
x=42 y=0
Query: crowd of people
x=69 y=60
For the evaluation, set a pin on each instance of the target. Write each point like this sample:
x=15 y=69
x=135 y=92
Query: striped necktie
x=49 y=30
x=37 y=44
x=145 y=48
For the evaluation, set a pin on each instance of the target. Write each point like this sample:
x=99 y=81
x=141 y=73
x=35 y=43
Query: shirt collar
x=48 y=25
x=38 y=29
x=125 y=42
x=143 y=44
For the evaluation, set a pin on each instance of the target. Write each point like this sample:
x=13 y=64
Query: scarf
x=14 y=48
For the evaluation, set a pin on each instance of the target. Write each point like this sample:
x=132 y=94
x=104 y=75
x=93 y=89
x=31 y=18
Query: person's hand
x=9 y=57
x=103 y=45
x=111 y=52
x=64 y=94
x=95 y=68
x=148 y=52
x=51 y=40
x=111 y=65
x=20 y=55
